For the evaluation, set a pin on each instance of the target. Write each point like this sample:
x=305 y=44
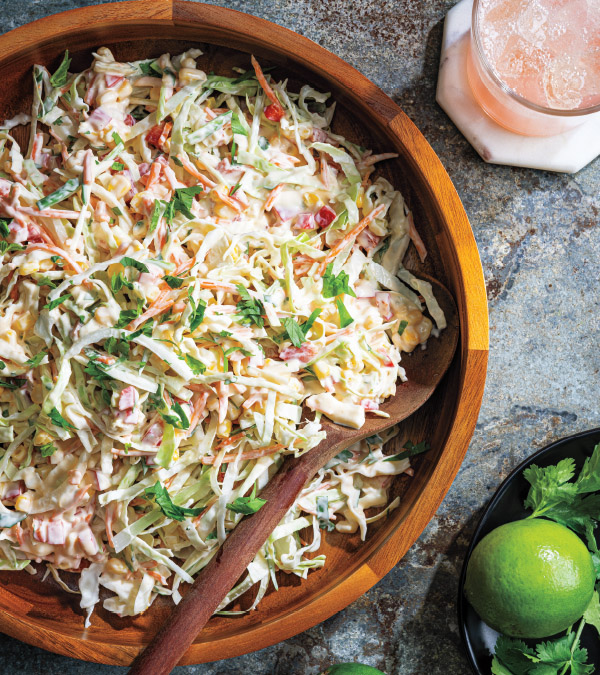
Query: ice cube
x=564 y=81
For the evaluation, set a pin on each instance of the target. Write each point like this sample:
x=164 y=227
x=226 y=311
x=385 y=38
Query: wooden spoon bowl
x=42 y=613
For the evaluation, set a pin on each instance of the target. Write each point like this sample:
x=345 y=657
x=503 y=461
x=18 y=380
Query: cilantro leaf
x=410 y=451
x=35 y=361
x=47 y=449
x=589 y=476
x=333 y=285
x=182 y=201
x=126 y=316
x=4 y=223
x=164 y=501
x=308 y=324
x=402 y=326
x=58 y=301
x=117 y=166
x=343 y=456
x=13 y=383
x=294 y=331
x=345 y=318
x=247 y=505
x=592 y=613
x=250 y=308
x=550 y=486
x=157 y=212
x=323 y=514
x=197 y=315
x=513 y=654
x=173 y=282
x=96 y=369
x=45 y=281
x=5 y=247
x=197 y=367
x=185 y=423
x=131 y=262
x=59 y=421
x=119 y=281
x=59 y=78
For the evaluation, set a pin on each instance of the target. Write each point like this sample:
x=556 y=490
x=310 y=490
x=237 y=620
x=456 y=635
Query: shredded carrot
x=190 y=168
x=350 y=236
x=154 y=174
x=275 y=192
x=250 y=454
x=197 y=411
x=416 y=238
x=159 y=306
x=264 y=84
x=230 y=201
x=165 y=135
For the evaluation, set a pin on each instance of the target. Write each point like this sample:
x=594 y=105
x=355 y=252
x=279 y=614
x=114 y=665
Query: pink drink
x=534 y=65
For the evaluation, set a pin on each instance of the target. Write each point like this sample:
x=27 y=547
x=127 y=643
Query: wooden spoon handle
x=216 y=580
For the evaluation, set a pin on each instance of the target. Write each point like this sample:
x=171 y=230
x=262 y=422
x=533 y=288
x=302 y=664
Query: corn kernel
x=321 y=369
x=29 y=267
x=312 y=199
x=46 y=265
x=23 y=503
x=360 y=198
x=115 y=566
x=9 y=335
x=42 y=437
x=19 y=454
x=118 y=185
x=224 y=211
x=24 y=322
x=224 y=429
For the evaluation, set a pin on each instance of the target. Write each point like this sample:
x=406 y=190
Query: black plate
x=507 y=505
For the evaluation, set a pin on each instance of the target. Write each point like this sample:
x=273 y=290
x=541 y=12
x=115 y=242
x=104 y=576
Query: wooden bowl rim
x=474 y=321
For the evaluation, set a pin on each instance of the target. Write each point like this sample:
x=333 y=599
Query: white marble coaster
x=567 y=152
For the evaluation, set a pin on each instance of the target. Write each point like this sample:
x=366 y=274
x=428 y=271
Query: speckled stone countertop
x=540 y=246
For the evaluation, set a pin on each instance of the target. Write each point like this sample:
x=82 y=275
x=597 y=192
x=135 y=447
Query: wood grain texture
x=41 y=613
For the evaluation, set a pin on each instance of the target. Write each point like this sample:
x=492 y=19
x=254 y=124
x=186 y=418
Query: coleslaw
x=189 y=262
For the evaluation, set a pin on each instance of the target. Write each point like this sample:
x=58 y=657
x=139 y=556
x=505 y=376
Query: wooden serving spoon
x=424 y=368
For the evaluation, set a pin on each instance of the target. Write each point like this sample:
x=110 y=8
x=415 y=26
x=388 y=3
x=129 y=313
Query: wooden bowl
x=44 y=615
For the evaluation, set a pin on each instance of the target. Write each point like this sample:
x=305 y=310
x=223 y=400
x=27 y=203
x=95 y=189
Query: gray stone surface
x=540 y=247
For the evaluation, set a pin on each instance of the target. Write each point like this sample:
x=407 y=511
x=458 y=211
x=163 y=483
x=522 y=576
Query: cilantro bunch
x=554 y=495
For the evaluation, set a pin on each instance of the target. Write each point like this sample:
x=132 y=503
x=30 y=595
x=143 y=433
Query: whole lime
x=352 y=669
x=530 y=579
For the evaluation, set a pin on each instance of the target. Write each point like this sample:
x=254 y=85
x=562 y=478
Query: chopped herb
x=184 y=198
x=57 y=260
x=59 y=78
x=117 y=139
x=97 y=369
x=45 y=281
x=173 y=282
x=126 y=316
x=59 y=421
x=13 y=383
x=307 y=325
x=234 y=189
x=2 y=365
x=410 y=451
x=263 y=143
x=197 y=315
x=117 y=211
x=4 y=223
x=323 y=514
x=340 y=458
x=197 y=367
x=47 y=449
x=333 y=285
x=117 y=166
x=294 y=331
x=131 y=262
x=247 y=505
x=146 y=67
x=164 y=501
x=58 y=301
x=402 y=326
x=118 y=281
x=5 y=247
x=177 y=161
x=345 y=318
x=35 y=361
x=250 y=308
x=156 y=214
